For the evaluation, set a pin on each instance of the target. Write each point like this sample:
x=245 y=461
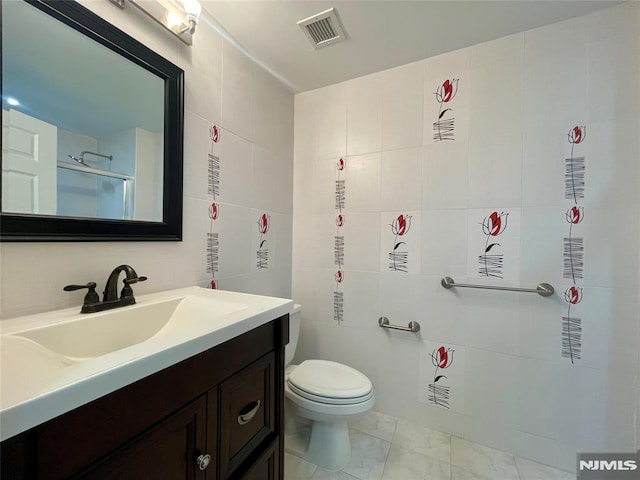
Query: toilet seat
x=326 y=412
x=329 y=382
x=328 y=400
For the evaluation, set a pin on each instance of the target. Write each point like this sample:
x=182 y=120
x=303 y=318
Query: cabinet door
x=266 y=467
x=247 y=416
x=170 y=450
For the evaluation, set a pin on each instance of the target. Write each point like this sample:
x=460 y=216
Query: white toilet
x=320 y=397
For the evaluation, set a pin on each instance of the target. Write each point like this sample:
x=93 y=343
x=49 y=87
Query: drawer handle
x=203 y=461
x=245 y=418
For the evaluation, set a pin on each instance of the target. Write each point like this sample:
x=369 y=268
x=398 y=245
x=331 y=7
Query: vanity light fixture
x=180 y=17
x=192 y=10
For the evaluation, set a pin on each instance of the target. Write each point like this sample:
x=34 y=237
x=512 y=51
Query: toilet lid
x=327 y=379
x=328 y=400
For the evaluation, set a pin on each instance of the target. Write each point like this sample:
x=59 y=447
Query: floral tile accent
x=442 y=367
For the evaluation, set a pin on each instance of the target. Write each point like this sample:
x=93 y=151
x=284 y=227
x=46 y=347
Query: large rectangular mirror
x=92 y=126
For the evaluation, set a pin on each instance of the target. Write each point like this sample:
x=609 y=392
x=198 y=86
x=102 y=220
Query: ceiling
x=380 y=34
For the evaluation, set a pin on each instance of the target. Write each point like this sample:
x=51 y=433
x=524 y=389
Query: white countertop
x=37 y=384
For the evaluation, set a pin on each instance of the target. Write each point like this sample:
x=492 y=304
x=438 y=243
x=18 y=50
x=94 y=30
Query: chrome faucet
x=110 y=298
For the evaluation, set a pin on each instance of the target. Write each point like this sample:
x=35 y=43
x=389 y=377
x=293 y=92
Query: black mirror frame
x=44 y=228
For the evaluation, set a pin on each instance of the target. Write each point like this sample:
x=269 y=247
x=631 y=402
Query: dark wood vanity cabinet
x=217 y=415
x=165 y=451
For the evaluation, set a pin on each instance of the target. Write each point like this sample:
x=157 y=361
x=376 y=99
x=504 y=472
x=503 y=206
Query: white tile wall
x=609 y=262
x=255 y=114
x=445 y=176
x=203 y=76
x=495 y=138
x=236 y=169
x=402 y=97
x=364 y=115
x=360 y=309
x=611 y=178
x=363 y=174
x=323 y=190
x=542 y=173
x=272 y=119
x=517 y=99
x=331 y=123
x=361 y=253
x=559 y=75
x=443 y=314
x=490 y=396
x=613 y=92
x=237 y=92
x=304 y=129
x=444 y=242
x=401 y=181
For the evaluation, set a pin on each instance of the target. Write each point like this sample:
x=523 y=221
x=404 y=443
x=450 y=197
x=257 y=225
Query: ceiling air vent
x=323 y=28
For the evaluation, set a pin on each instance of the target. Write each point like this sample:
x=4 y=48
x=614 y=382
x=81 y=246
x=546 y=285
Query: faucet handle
x=91 y=296
x=126 y=290
x=129 y=281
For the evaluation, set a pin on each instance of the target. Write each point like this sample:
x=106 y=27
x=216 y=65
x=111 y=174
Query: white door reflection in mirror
x=28 y=164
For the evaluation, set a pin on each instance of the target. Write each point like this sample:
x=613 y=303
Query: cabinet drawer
x=247 y=402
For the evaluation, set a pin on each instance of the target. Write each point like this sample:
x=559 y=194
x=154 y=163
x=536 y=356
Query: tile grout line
x=517 y=469
x=450 y=457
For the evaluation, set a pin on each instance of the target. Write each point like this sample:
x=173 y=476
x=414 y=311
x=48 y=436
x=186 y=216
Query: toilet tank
x=294 y=333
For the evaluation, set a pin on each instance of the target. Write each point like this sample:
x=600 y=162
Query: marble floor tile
x=458 y=473
x=326 y=475
x=530 y=470
x=297 y=469
x=422 y=440
x=368 y=455
x=405 y=465
x=483 y=461
x=385 y=448
x=376 y=424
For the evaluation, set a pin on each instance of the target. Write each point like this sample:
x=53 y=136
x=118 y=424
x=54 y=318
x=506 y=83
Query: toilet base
x=325 y=444
x=329 y=445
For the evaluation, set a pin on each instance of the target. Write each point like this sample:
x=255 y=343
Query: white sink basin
x=105 y=332
x=51 y=363
x=92 y=335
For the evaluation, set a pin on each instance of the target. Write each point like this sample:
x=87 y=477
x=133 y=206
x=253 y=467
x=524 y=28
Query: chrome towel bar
x=543 y=289
x=414 y=327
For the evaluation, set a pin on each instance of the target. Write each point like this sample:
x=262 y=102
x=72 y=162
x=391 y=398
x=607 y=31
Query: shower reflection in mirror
x=49 y=170
x=86 y=190
x=96 y=178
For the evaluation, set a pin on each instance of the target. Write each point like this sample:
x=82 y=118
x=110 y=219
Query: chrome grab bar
x=543 y=289
x=414 y=327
